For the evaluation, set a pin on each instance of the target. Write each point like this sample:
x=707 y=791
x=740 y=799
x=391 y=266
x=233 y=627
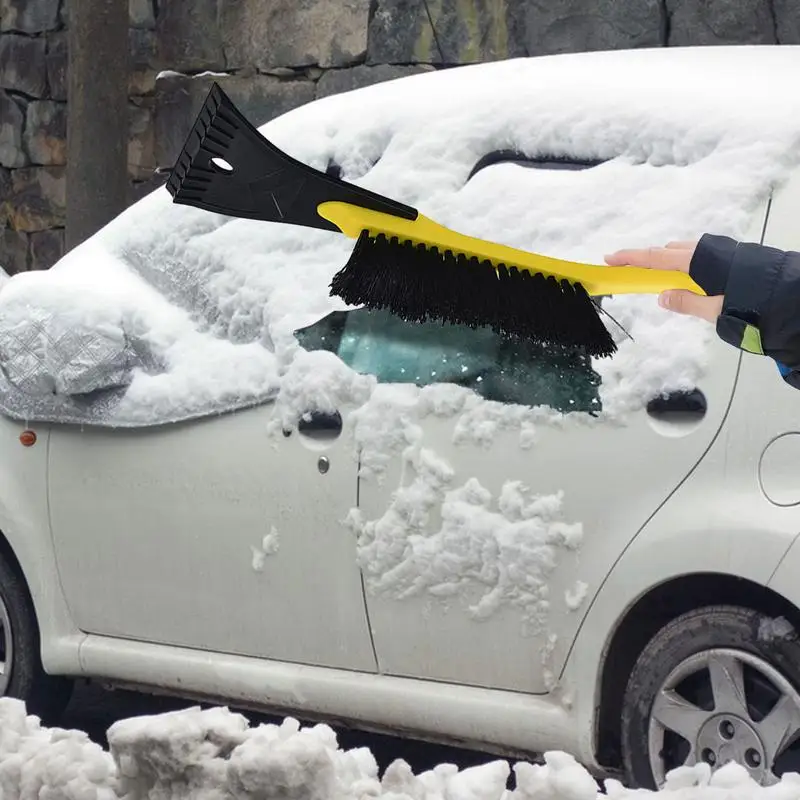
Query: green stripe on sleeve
x=751 y=340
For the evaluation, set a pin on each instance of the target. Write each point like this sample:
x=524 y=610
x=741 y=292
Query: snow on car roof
x=172 y=312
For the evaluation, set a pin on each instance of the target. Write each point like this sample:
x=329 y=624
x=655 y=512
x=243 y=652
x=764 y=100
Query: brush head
x=418 y=284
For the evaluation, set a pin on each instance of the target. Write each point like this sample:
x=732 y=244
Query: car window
x=496 y=157
x=505 y=369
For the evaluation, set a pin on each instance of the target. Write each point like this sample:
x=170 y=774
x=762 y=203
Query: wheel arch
x=653 y=609
x=32 y=560
x=10 y=557
x=7 y=552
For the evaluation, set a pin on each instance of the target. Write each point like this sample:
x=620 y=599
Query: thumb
x=682 y=301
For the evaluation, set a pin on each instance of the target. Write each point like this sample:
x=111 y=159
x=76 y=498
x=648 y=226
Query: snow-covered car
x=219 y=481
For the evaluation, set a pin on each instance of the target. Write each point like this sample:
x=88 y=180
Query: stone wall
x=33 y=65
x=274 y=55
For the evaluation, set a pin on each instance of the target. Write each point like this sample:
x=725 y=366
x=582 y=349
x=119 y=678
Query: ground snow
x=214 y=754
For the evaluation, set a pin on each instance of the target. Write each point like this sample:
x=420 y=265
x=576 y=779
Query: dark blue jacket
x=761 y=309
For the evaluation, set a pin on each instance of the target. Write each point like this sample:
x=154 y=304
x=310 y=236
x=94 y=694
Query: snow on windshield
x=192 y=312
x=214 y=754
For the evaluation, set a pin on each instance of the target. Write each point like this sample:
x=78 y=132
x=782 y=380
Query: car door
x=485 y=524
x=214 y=534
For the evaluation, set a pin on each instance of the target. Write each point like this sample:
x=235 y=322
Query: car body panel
x=159 y=536
x=718 y=520
x=740 y=537
x=503 y=721
x=423 y=636
x=783 y=233
x=25 y=526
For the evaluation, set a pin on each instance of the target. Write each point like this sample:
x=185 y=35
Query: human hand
x=676 y=256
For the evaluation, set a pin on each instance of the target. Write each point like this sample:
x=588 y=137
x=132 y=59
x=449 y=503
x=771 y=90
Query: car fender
x=709 y=525
x=24 y=522
x=786 y=579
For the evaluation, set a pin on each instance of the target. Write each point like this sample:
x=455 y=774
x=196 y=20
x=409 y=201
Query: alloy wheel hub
x=725 y=738
x=727 y=719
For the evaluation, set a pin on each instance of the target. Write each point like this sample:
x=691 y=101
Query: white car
x=218 y=481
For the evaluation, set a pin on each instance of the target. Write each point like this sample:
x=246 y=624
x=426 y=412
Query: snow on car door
x=216 y=534
x=489 y=513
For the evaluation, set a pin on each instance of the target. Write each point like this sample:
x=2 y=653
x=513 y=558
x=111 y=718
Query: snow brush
x=402 y=261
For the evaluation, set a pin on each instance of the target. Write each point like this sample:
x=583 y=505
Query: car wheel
x=713 y=686
x=21 y=673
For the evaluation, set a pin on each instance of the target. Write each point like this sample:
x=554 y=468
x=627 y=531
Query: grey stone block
x=142 y=14
x=46 y=248
x=14 y=255
x=402 y=32
x=570 y=26
x=22 y=64
x=142 y=82
x=29 y=16
x=141 y=144
x=295 y=33
x=336 y=81
x=143 y=49
x=188 y=35
x=5 y=193
x=37 y=201
x=57 y=60
x=12 y=125
x=179 y=98
x=46 y=132
x=787 y=21
x=714 y=22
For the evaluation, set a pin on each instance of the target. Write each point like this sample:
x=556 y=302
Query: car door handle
x=679 y=406
x=320 y=424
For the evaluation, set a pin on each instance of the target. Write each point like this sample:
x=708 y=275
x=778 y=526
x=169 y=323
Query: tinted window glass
x=507 y=370
x=531 y=162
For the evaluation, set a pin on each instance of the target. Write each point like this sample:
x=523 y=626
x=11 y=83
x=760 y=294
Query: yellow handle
x=597 y=279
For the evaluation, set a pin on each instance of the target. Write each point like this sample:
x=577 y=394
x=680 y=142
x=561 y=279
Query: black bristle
x=417 y=283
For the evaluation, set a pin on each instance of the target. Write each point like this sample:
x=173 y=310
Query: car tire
x=23 y=676
x=750 y=656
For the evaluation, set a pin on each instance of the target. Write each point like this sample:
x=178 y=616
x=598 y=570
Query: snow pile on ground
x=214 y=302
x=215 y=755
x=38 y=763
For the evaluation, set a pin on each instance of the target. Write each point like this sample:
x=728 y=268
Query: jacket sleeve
x=761 y=306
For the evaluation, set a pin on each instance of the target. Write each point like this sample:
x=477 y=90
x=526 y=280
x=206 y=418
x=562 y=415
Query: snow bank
x=215 y=755
x=691 y=141
x=38 y=763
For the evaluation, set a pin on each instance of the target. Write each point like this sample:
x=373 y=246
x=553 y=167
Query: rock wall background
x=274 y=55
